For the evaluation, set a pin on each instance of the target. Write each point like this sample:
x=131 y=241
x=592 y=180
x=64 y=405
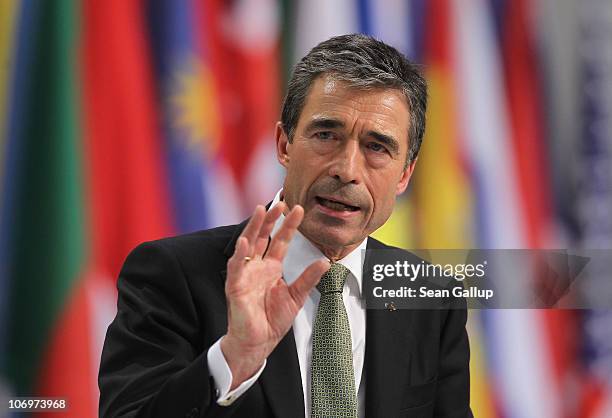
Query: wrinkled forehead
x=331 y=98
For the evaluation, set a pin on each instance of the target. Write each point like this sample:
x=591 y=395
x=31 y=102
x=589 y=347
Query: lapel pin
x=390 y=306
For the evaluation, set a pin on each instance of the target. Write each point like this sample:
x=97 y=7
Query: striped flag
x=127 y=189
x=488 y=132
x=524 y=99
x=45 y=220
x=187 y=111
x=8 y=17
x=390 y=21
x=318 y=20
x=594 y=179
x=245 y=34
x=8 y=13
x=443 y=189
x=114 y=137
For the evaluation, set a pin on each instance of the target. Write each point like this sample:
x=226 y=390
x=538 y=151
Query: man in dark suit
x=267 y=318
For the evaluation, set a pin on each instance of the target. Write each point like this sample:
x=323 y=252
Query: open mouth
x=336 y=205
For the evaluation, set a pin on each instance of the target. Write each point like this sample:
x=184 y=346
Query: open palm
x=261 y=306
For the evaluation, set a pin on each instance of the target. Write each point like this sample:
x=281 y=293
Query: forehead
x=378 y=108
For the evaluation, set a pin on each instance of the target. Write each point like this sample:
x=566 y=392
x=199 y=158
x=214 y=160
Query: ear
x=282 y=144
x=405 y=178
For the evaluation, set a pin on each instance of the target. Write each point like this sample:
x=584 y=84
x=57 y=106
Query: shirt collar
x=301 y=253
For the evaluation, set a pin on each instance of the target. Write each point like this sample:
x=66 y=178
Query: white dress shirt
x=300 y=254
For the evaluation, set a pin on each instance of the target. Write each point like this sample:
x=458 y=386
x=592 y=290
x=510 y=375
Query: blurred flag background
x=124 y=121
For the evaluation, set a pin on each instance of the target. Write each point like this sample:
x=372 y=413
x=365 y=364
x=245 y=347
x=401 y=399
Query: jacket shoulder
x=212 y=239
x=374 y=244
x=201 y=251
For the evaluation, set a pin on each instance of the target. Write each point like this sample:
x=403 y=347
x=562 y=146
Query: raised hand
x=261 y=306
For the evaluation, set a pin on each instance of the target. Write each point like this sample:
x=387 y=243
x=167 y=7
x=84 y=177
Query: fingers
x=280 y=241
x=261 y=242
x=252 y=229
x=237 y=261
x=309 y=278
x=253 y=240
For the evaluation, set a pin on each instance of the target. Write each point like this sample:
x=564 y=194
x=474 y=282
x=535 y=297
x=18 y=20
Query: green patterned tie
x=332 y=381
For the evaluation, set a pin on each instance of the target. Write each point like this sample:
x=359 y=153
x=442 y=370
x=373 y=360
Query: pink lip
x=341 y=214
x=336 y=199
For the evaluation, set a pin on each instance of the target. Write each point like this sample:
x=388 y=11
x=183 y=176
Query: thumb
x=309 y=278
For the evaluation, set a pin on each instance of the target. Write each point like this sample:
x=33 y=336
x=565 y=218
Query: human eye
x=377 y=147
x=324 y=135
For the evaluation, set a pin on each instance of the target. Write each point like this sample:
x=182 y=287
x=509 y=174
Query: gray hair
x=364 y=63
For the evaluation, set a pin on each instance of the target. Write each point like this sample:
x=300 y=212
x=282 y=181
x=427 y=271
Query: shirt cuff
x=222 y=376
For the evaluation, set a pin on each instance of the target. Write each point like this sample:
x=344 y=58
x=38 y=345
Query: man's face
x=346 y=163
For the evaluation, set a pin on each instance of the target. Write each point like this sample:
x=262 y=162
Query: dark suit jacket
x=172 y=308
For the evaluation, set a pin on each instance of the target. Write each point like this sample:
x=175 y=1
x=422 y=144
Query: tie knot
x=333 y=279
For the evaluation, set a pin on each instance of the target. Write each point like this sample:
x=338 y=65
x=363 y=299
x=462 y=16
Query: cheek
x=298 y=180
x=383 y=204
x=293 y=179
x=305 y=168
x=298 y=173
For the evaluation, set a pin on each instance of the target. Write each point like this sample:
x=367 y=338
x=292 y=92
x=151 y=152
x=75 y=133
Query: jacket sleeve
x=453 y=388
x=153 y=363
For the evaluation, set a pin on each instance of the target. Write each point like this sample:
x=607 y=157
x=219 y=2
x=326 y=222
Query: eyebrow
x=330 y=123
x=324 y=123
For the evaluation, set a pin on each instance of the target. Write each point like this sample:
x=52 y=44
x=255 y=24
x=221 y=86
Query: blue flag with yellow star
x=186 y=104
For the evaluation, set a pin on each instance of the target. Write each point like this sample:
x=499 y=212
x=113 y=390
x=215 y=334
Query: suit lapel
x=281 y=380
x=387 y=354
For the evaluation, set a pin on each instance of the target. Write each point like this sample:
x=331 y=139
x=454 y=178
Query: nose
x=346 y=164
